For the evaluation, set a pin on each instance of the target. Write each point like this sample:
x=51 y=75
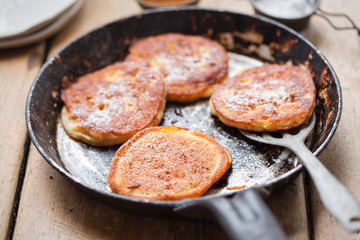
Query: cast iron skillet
x=256 y=167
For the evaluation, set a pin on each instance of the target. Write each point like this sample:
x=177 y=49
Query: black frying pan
x=256 y=167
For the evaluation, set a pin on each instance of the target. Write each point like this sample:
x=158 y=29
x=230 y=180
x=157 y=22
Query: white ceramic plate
x=43 y=33
x=21 y=17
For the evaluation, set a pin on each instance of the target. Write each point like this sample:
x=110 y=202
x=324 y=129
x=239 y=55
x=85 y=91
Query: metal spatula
x=334 y=195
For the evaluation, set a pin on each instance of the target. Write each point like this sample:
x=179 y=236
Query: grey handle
x=333 y=194
x=325 y=15
x=245 y=216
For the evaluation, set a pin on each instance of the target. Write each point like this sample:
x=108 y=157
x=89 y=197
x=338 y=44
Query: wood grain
x=341 y=157
x=66 y=213
x=51 y=207
x=289 y=207
x=17 y=70
x=93 y=14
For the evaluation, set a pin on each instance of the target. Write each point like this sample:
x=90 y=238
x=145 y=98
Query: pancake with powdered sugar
x=167 y=163
x=192 y=66
x=109 y=106
x=267 y=98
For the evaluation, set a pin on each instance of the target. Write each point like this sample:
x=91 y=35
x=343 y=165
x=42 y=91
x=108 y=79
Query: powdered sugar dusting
x=181 y=68
x=98 y=118
x=116 y=102
x=258 y=94
x=110 y=102
x=253 y=163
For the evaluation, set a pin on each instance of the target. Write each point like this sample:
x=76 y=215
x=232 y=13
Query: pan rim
x=293 y=172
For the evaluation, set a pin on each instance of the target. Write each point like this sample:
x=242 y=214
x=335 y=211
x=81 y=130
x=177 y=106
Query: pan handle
x=245 y=216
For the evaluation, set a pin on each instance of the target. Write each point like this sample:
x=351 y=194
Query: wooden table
x=37 y=203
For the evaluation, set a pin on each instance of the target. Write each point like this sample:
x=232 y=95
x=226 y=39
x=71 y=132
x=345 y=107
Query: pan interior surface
x=252 y=36
x=253 y=163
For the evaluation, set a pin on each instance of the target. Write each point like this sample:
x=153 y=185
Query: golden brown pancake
x=167 y=163
x=109 y=106
x=267 y=98
x=192 y=65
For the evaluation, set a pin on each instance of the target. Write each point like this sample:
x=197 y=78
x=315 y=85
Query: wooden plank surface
x=341 y=157
x=51 y=207
x=289 y=206
x=56 y=208
x=73 y=217
x=94 y=13
x=17 y=71
x=69 y=214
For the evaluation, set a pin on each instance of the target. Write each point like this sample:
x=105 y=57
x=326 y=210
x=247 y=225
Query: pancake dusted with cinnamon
x=109 y=106
x=267 y=98
x=167 y=163
x=192 y=65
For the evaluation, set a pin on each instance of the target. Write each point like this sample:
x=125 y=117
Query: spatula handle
x=334 y=195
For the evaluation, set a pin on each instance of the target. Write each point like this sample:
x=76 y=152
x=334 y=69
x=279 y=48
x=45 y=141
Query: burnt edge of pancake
x=268 y=98
x=167 y=163
x=192 y=66
x=108 y=106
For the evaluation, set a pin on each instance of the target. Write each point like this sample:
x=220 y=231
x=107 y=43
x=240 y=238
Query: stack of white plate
x=23 y=22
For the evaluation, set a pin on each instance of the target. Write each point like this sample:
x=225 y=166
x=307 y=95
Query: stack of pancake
x=124 y=102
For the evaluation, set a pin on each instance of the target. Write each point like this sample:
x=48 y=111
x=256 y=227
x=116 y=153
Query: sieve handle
x=325 y=15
